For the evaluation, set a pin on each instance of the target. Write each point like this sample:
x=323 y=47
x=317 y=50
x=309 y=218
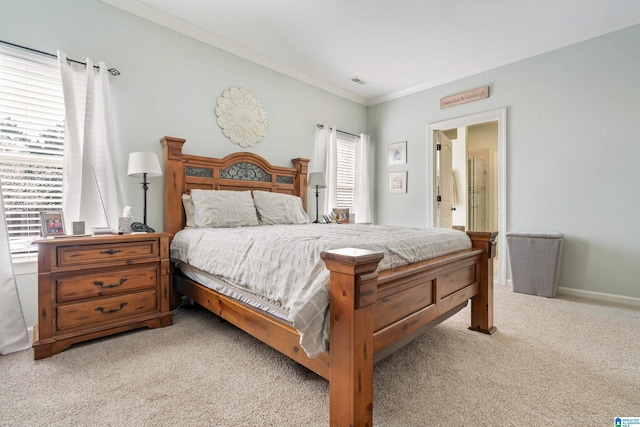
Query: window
x=31 y=143
x=346 y=171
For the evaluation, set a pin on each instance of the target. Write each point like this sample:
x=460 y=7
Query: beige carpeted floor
x=553 y=362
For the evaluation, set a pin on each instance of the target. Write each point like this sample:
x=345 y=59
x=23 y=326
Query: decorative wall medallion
x=241 y=117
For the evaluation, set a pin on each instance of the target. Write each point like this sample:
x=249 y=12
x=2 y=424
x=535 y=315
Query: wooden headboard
x=237 y=171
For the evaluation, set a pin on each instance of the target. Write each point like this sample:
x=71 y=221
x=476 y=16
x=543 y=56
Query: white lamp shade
x=144 y=162
x=317 y=179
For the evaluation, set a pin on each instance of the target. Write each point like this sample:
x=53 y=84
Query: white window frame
x=346 y=167
x=32 y=106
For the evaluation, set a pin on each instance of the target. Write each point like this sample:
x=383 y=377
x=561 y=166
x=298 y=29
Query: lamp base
x=317 y=221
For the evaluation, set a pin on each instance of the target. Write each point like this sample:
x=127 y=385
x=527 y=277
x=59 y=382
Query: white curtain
x=13 y=331
x=327 y=162
x=362 y=192
x=90 y=147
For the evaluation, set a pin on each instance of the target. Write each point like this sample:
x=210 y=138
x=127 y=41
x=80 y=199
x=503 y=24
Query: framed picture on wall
x=52 y=224
x=398 y=182
x=398 y=153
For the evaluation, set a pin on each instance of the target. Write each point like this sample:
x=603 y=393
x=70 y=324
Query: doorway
x=474 y=166
x=473 y=202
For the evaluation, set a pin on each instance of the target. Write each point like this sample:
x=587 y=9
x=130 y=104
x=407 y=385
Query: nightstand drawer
x=108 y=283
x=106 y=310
x=91 y=254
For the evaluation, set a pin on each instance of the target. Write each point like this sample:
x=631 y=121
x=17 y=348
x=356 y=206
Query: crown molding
x=579 y=36
x=161 y=18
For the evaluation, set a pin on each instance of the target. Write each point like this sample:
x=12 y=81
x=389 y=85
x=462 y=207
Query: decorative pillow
x=189 y=211
x=223 y=208
x=276 y=208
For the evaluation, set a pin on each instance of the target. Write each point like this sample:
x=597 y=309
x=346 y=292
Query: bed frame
x=372 y=313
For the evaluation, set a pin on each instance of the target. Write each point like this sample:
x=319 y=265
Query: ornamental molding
x=245 y=171
x=241 y=116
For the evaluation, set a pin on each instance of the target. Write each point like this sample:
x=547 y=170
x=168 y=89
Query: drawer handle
x=112 y=285
x=111 y=252
x=113 y=310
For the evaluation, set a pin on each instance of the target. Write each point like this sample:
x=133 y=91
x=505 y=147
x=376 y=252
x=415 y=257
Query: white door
x=444 y=181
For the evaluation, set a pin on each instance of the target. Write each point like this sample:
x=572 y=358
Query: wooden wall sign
x=464 y=97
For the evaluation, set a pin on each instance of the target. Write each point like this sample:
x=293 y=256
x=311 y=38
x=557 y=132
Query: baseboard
x=591 y=295
x=599 y=296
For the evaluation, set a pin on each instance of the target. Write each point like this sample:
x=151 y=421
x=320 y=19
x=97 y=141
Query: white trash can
x=535 y=262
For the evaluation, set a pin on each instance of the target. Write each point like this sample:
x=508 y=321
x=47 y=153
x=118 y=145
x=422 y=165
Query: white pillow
x=223 y=208
x=189 y=211
x=276 y=208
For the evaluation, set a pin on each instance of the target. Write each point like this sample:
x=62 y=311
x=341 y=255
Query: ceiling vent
x=358 y=80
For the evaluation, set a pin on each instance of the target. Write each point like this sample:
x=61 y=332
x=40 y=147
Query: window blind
x=31 y=143
x=346 y=172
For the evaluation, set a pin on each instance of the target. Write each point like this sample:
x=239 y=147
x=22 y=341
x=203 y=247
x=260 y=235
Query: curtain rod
x=338 y=130
x=112 y=71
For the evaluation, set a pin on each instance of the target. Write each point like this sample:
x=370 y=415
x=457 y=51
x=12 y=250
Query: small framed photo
x=398 y=182
x=342 y=215
x=398 y=153
x=52 y=224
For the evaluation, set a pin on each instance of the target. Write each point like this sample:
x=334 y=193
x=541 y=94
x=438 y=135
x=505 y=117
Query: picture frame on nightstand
x=342 y=215
x=52 y=223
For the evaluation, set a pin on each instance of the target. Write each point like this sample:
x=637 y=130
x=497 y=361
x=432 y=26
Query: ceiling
x=397 y=47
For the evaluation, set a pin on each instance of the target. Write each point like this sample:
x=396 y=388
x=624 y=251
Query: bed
x=372 y=312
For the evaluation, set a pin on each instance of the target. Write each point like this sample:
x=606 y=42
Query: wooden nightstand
x=90 y=287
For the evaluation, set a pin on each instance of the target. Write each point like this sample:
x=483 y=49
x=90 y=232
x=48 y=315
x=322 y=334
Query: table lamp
x=144 y=164
x=316 y=179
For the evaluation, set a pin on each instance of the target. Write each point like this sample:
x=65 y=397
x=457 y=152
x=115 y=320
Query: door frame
x=499 y=115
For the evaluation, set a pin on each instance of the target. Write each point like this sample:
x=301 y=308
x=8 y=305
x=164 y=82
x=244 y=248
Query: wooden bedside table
x=90 y=287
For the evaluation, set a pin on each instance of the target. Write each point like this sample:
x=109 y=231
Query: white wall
x=169 y=86
x=572 y=147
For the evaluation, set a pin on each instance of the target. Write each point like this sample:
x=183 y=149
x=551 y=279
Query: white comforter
x=280 y=265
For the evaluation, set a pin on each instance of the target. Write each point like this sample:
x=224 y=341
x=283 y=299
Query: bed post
x=352 y=293
x=482 y=303
x=300 y=182
x=173 y=188
x=173 y=184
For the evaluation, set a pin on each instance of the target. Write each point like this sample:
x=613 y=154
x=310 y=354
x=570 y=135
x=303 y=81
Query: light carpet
x=553 y=362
